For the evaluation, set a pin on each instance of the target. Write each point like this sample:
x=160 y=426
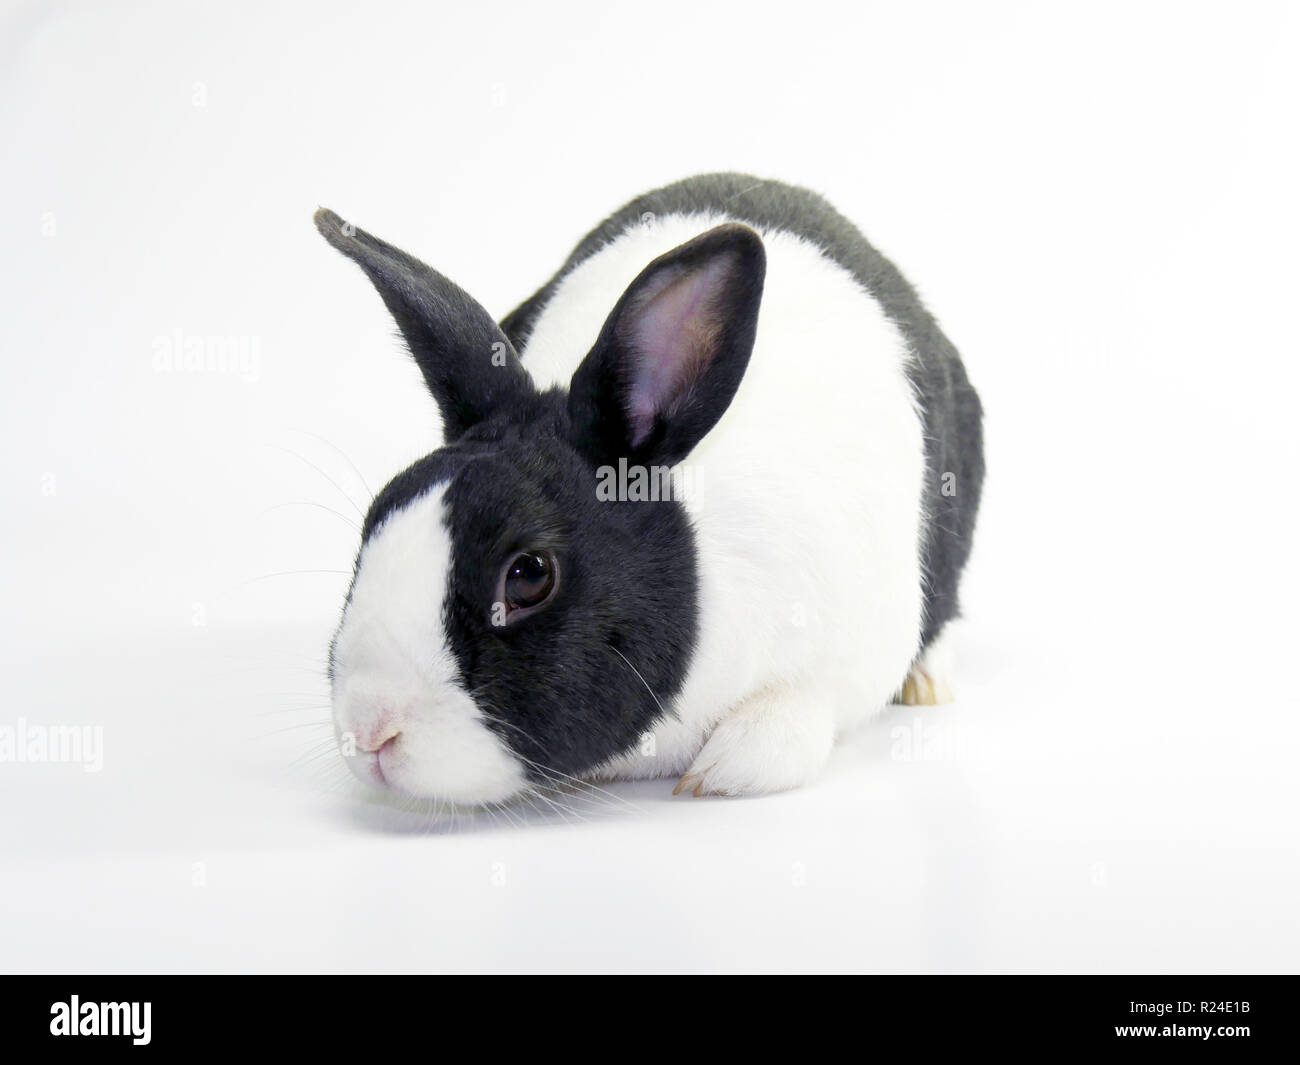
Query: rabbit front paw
x=775 y=740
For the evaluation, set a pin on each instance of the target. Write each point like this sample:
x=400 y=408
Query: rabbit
x=702 y=506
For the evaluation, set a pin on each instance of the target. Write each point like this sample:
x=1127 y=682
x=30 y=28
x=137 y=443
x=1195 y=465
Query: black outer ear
x=467 y=362
x=672 y=352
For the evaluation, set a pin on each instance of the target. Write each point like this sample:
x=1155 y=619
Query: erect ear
x=467 y=362
x=672 y=352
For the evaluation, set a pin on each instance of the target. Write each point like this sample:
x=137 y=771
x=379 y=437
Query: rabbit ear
x=467 y=362
x=672 y=352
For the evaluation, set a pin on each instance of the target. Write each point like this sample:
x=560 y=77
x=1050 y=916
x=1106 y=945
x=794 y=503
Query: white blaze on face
x=396 y=699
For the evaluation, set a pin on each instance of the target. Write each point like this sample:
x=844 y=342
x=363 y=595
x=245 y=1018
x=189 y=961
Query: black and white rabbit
x=526 y=607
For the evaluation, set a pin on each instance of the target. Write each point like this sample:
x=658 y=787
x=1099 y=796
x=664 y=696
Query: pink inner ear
x=671 y=335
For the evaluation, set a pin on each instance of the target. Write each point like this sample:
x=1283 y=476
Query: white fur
x=930 y=680
x=807 y=510
x=396 y=701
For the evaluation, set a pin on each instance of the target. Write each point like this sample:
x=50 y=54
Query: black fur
x=561 y=686
x=950 y=406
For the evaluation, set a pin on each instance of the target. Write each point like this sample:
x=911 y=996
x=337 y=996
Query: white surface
x=1099 y=204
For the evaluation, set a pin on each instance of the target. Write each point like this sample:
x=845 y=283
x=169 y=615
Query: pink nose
x=376 y=737
x=366 y=760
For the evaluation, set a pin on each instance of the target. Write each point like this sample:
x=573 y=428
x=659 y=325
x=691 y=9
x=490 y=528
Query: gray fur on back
x=950 y=407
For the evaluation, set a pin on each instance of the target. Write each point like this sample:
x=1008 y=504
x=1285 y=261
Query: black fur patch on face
x=560 y=686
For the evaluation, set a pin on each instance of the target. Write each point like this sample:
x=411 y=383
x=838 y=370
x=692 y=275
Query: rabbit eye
x=529 y=580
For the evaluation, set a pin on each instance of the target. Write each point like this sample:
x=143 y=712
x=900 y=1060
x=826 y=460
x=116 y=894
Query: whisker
x=310 y=503
x=337 y=486
x=290 y=695
x=343 y=454
x=291 y=710
x=641 y=679
x=560 y=804
x=300 y=725
x=290 y=573
x=554 y=775
x=578 y=782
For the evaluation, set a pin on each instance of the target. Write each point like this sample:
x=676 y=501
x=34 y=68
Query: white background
x=1098 y=201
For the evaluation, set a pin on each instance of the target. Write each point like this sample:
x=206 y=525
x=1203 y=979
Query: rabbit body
x=829 y=501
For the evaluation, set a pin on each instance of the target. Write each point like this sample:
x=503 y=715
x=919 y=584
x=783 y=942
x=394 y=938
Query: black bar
x=335 y=1013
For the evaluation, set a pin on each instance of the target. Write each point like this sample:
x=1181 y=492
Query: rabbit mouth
x=368 y=767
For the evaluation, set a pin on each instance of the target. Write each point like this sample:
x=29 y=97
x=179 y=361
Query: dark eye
x=529 y=580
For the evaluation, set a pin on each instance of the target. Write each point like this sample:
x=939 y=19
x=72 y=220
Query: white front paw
x=772 y=741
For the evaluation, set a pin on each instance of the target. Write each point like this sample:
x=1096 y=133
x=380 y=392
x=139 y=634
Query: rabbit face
x=508 y=623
